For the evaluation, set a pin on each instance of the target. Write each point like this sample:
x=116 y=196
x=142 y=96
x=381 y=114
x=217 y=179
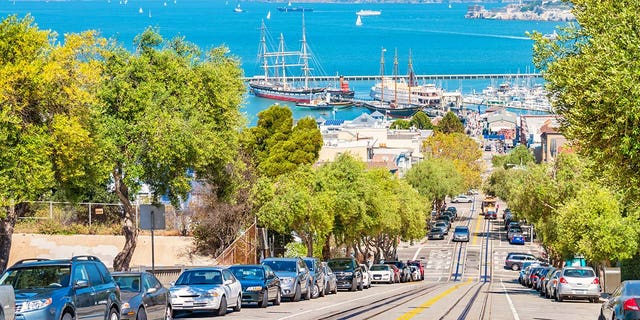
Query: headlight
x=35 y=304
x=254 y=288
x=348 y=274
x=212 y=293
x=126 y=305
x=286 y=281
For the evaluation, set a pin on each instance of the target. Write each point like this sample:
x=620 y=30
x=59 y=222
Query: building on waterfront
x=552 y=143
x=502 y=123
x=369 y=139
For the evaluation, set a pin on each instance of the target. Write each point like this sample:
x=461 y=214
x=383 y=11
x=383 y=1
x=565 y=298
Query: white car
x=462 y=198
x=366 y=276
x=415 y=273
x=211 y=289
x=382 y=273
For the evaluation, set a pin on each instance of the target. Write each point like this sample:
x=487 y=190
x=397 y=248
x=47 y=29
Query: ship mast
x=305 y=55
x=411 y=76
x=382 y=76
x=284 y=63
x=263 y=53
x=395 y=77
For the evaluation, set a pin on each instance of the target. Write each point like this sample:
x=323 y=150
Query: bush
x=295 y=249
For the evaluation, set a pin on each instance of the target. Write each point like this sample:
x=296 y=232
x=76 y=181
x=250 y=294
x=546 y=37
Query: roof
x=377 y=114
x=333 y=122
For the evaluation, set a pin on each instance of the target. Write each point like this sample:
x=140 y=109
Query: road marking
x=416 y=254
x=341 y=303
x=513 y=308
x=431 y=301
x=479 y=224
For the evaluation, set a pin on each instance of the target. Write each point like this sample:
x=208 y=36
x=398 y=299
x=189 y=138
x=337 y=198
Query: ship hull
x=396 y=112
x=293 y=95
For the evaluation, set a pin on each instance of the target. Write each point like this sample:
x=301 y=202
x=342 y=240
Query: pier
x=482 y=76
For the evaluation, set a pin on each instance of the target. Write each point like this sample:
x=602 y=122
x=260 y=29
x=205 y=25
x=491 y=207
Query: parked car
x=48 y=289
x=396 y=273
x=514 y=260
x=415 y=273
x=578 y=283
x=331 y=283
x=348 y=273
x=491 y=215
x=317 y=277
x=436 y=233
x=7 y=302
x=461 y=233
x=512 y=231
x=418 y=264
x=552 y=284
x=206 y=289
x=366 y=276
x=541 y=275
x=383 y=273
x=452 y=210
x=405 y=272
x=546 y=277
x=295 y=278
x=259 y=284
x=143 y=296
x=623 y=302
x=443 y=228
x=462 y=198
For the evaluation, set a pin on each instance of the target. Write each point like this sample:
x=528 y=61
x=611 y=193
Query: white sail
x=268 y=15
x=358 y=21
x=140 y=10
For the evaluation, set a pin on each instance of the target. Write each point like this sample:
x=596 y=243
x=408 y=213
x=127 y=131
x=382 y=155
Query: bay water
x=441 y=40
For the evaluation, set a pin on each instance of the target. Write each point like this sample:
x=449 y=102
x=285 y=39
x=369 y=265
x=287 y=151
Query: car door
x=100 y=291
x=232 y=286
x=154 y=296
x=273 y=283
x=608 y=308
x=83 y=293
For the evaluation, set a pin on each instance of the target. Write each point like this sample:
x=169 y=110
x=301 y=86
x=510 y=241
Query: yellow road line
x=479 y=224
x=430 y=302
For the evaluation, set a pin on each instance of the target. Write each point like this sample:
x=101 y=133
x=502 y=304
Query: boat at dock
x=365 y=13
x=278 y=81
x=326 y=103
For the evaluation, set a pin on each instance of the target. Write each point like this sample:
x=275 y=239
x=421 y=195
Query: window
x=94 y=274
x=228 y=275
x=151 y=281
x=80 y=273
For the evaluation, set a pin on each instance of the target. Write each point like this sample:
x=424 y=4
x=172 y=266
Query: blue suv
x=76 y=288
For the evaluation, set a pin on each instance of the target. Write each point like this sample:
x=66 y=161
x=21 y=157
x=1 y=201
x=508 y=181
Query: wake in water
x=484 y=35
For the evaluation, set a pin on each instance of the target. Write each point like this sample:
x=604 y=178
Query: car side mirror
x=81 y=284
x=152 y=290
x=228 y=281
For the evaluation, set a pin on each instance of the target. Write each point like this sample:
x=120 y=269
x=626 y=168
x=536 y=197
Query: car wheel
x=360 y=286
x=515 y=267
x=67 y=316
x=354 y=286
x=298 y=294
x=168 y=314
x=307 y=296
x=276 y=302
x=114 y=314
x=238 y=305
x=335 y=289
x=323 y=291
x=315 y=291
x=559 y=298
x=223 y=307
x=265 y=300
x=141 y=315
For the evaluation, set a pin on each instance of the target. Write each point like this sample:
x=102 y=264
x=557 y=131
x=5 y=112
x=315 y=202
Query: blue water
x=441 y=39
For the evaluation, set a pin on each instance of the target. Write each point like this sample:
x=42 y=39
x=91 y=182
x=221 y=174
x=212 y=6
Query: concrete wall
x=169 y=251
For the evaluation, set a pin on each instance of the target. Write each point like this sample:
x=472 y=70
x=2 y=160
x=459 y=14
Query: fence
x=244 y=250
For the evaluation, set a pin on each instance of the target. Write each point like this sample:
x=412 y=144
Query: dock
x=481 y=76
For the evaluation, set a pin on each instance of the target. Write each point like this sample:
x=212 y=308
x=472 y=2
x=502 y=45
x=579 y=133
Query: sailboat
x=358 y=21
x=276 y=83
x=149 y=13
x=238 y=9
x=268 y=15
x=140 y=10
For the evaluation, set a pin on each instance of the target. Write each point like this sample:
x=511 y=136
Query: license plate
x=188 y=304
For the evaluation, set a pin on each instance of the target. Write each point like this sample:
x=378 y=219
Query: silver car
x=206 y=289
x=551 y=285
x=578 y=283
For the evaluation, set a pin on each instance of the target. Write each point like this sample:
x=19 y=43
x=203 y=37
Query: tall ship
x=277 y=82
x=409 y=93
x=385 y=95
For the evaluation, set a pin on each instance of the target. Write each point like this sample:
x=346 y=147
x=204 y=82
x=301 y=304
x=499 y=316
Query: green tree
x=435 y=179
x=421 y=120
x=461 y=150
x=46 y=143
x=277 y=146
x=166 y=112
x=591 y=72
x=400 y=124
x=450 y=123
x=518 y=156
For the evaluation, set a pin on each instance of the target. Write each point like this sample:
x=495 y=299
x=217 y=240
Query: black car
x=259 y=284
x=348 y=273
x=405 y=271
x=317 y=277
x=143 y=296
x=80 y=287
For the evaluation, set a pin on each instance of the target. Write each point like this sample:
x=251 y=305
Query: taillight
x=596 y=281
x=630 y=304
x=563 y=280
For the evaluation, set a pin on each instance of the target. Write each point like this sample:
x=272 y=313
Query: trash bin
x=610 y=277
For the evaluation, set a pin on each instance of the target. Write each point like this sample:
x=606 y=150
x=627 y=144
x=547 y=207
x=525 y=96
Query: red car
x=418 y=264
x=396 y=273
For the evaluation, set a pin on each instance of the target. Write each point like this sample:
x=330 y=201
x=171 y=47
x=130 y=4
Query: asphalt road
x=462 y=282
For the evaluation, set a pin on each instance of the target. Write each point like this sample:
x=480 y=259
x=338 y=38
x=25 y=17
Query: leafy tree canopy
x=459 y=149
x=450 y=123
x=518 y=156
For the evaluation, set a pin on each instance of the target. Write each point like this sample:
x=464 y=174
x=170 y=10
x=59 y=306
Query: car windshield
x=579 y=273
x=309 y=264
x=461 y=229
x=37 y=277
x=281 y=265
x=200 y=277
x=515 y=230
x=340 y=264
x=248 y=273
x=129 y=283
x=436 y=230
x=379 y=267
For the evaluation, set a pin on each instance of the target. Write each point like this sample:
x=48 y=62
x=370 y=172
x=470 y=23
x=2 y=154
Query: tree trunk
x=129 y=229
x=309 y=243
x=326 y=249
x=6 y=232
